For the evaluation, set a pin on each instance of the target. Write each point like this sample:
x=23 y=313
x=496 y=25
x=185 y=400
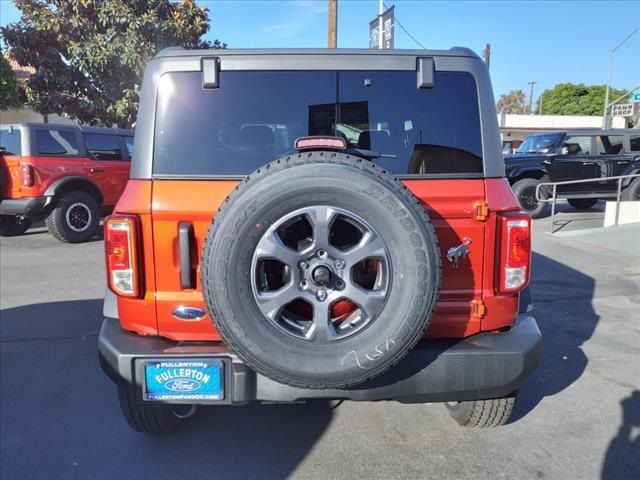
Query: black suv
x=575 y=155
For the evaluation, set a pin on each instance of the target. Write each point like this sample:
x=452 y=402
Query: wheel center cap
x=321 y=275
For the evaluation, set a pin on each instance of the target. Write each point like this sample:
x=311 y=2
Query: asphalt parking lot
x=578 y=416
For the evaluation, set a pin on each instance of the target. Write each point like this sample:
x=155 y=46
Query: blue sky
x=549 y=42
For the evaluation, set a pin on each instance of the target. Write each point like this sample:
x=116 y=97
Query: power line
x=406 y=31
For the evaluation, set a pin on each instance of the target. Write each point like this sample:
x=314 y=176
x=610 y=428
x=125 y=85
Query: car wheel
x=151 y=417
x=321 y=270
x=632 y=192
x=75 y=218
x=12 y=226
x=582 y=203
x=525 y=192
x=483 y=413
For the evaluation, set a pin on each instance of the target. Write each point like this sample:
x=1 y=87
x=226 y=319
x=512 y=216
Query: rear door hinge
x=478 y=308
x=480 y=211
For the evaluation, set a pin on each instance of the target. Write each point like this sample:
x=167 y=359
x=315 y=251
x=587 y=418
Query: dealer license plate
x=176 y=379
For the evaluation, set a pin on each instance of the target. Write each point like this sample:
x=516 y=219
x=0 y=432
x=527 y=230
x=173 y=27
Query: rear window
x=104 y=147
x=56 y=142
x=10 y=143
x=255 y=117
x=634 y=143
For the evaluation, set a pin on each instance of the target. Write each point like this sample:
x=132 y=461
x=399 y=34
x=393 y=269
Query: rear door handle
x=96 y=170
x=185 y=236
x=588 y=163
x=620 y=162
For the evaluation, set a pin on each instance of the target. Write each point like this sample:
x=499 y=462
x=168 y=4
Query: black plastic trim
x=28 y=207
x=210 y=69
x=426 y=68
x=488 y=365
x=185 y=238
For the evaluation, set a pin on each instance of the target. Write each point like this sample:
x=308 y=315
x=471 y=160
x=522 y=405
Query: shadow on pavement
x=623 y=455
x=562 y=306
x=60 y=416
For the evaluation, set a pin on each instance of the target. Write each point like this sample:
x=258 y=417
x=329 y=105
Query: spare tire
x=321 y=270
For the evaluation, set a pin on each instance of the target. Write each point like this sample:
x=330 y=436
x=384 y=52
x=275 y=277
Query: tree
x=575 y=99
x=513 y=102
x=9 y=93
x=89 y=56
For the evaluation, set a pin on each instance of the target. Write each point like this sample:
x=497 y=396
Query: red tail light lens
x=27 y=175
x=120 y=242
x=515 y=251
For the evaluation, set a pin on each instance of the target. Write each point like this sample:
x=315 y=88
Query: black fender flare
x=632 y=169
x=60 y=183
x=518 y=173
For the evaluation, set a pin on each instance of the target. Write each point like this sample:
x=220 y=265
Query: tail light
x=121 y=251
x=515 y=251
x=27 y=175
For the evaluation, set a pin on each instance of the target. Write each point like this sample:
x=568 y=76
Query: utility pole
x=332 y=41
x=380 y=12
x=487 y=54
x=532 y=83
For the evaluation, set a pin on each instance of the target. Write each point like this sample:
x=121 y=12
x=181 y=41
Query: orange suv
x=67 y=175
x=304 y=224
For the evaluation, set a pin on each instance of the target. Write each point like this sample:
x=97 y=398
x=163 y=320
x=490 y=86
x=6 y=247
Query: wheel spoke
x=271 y=303
x=322 y=330
x=371 y=245
x=270 y=246
x=321 y=218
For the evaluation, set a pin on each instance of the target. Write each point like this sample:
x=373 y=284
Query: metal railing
x=554 y=193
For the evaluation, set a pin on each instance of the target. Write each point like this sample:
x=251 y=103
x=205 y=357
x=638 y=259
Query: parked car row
x=68 y=175
x=575 y=155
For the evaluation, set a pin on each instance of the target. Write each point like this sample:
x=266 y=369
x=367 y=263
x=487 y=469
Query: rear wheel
x=525 y=192
x=483 y=413
x=582 y=203
x=152 y=418
x=75 y=218
x=12 y=226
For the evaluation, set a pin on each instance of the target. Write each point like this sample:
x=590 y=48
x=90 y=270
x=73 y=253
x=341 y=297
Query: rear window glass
x=56 y=142
x=634 y=142
x=10 y=142
x=255 y=117
x=104 y=147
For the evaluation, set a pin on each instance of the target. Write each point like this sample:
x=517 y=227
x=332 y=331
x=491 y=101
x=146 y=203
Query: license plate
x=175 y=379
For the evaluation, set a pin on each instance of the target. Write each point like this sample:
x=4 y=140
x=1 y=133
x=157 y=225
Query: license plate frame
x=183 y=379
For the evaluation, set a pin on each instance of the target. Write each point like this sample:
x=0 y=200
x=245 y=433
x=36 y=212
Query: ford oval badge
x=188 y=314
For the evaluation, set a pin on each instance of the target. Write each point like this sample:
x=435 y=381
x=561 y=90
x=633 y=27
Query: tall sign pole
x=380 y=27
x=332 y=40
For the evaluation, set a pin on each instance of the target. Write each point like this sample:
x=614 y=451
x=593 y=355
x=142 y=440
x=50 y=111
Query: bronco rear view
x=304 y=224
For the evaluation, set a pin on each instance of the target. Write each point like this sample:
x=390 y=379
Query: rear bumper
x=488 y=365
x=28 y=207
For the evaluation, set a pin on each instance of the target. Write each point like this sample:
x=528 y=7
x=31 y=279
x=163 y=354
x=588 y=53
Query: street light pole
x=605 y=114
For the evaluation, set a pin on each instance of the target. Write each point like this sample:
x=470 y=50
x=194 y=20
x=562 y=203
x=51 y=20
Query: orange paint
x=450 y=204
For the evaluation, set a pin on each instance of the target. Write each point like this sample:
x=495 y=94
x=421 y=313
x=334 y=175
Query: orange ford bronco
x=66 y=175
x=305 y=224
